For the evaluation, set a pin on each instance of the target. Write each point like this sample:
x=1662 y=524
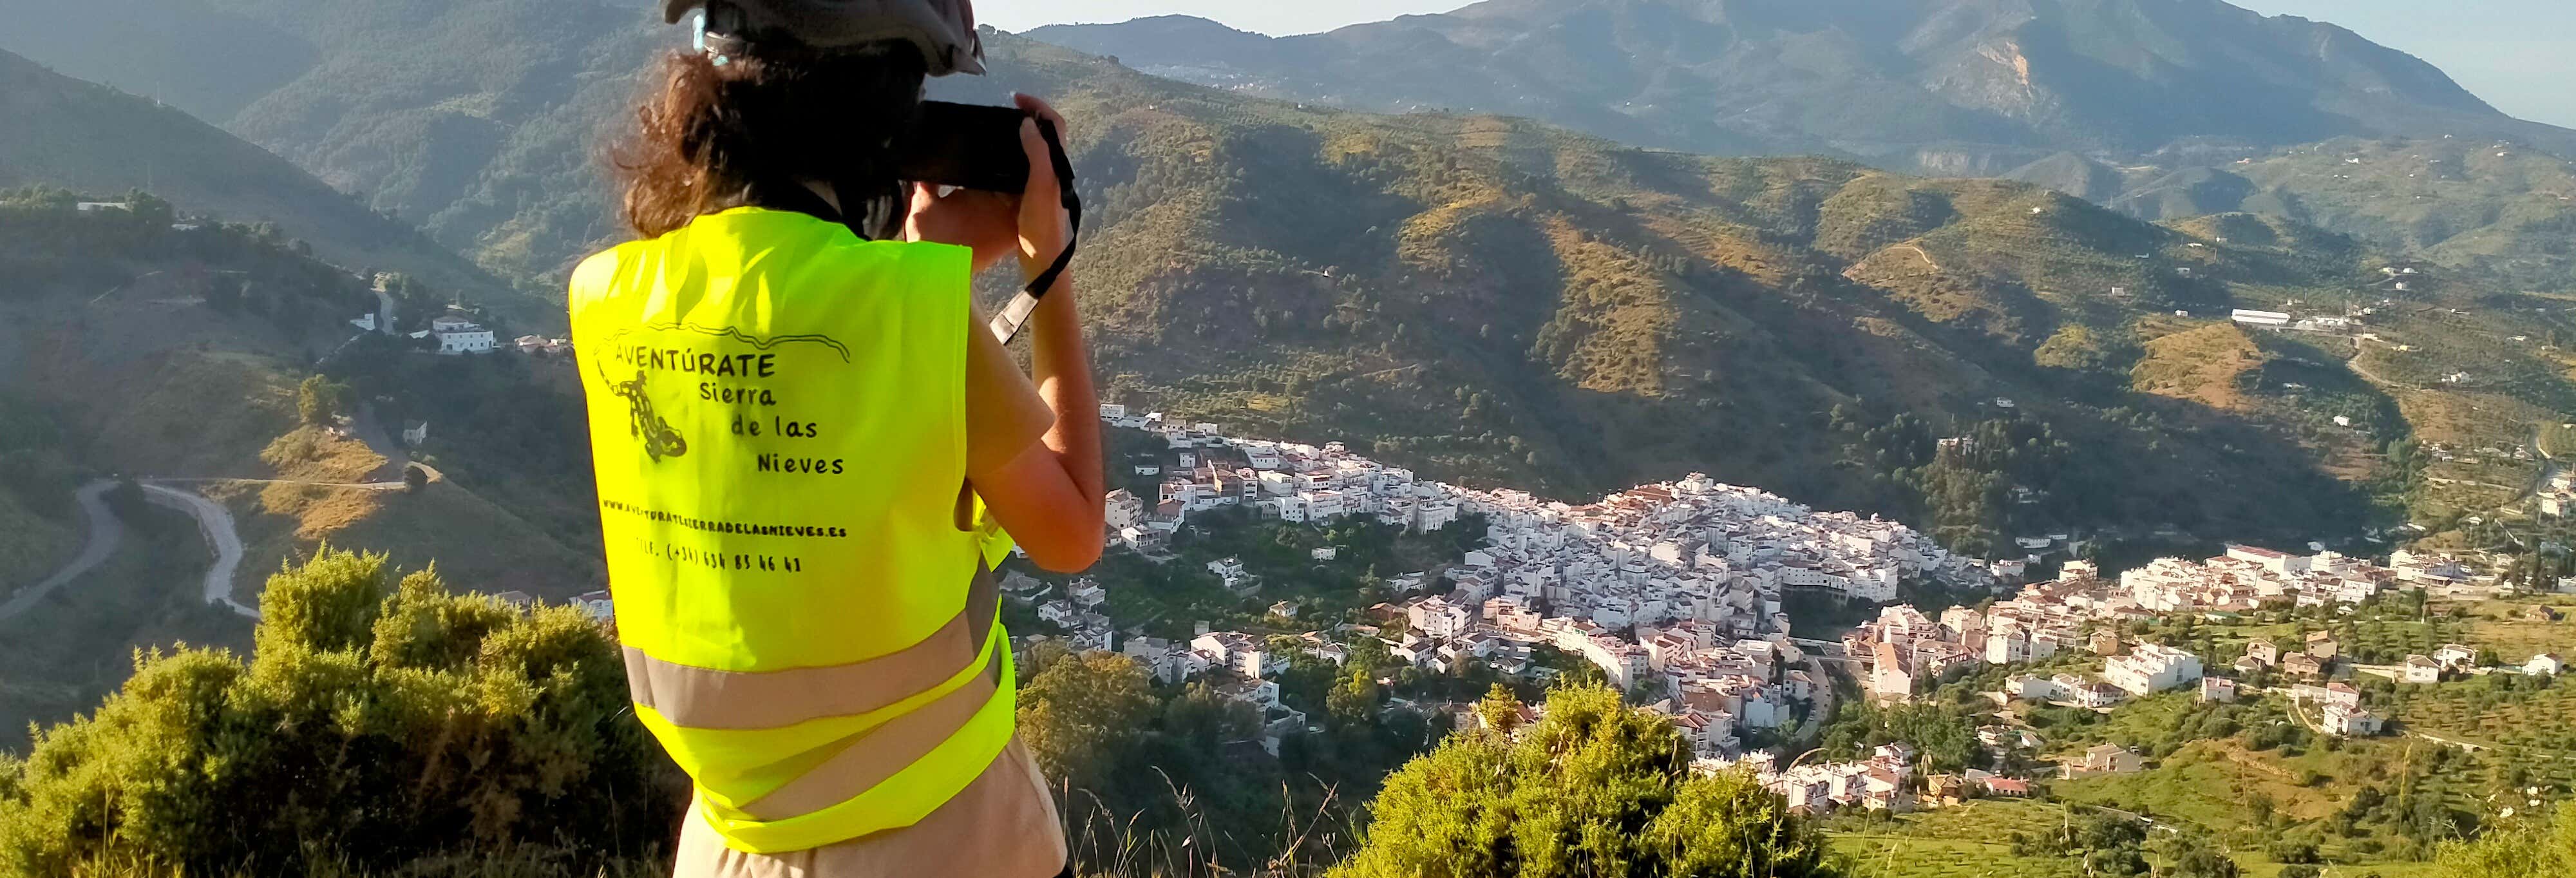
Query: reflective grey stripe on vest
x=703 y=698
x=877 y=753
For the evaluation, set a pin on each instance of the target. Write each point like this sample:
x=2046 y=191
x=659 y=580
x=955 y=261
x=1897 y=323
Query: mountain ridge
x=82 y=135
x=1849 y=77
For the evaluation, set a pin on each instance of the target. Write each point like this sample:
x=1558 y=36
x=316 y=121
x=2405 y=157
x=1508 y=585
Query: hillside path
x=215 y=524
x=368 y=429
x=104 y=533
x=1919 y=251
x=384 y=311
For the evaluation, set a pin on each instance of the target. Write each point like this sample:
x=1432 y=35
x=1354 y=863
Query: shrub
x=1592 y=789
x=2521 y=849
x=2288 y=851
x=371 y=730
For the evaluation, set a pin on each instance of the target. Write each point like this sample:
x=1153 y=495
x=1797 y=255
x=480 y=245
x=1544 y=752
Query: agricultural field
x=1969 y=841
x=2516 y=630
x=2373 y=804
x=2523 y=717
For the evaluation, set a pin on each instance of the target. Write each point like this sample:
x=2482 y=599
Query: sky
x=2520 y=55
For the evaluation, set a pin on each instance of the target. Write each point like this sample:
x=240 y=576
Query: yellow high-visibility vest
x=777 y=420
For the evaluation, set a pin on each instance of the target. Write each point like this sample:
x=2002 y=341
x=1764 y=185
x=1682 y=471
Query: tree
x=126 y=501
x=2201 y=861
x=1500 y=709
x=1594 y=789
x=414 y=478
x=1353 y=701
x=2289 y=851
x=1075 y=714
x=318 y=400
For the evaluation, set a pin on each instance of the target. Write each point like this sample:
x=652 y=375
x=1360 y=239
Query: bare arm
x=1050 y=495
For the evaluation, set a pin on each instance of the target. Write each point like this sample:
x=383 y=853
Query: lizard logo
x=660 y=439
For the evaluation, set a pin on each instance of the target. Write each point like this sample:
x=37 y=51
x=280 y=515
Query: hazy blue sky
x=2520 y=55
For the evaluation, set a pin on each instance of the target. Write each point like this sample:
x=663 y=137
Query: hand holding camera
x=986 y=178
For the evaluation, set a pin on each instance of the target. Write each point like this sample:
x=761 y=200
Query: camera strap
x=1006 y=325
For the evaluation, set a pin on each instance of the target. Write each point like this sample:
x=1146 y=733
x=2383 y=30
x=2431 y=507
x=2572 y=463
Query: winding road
x=214 y=524
x=104 y=533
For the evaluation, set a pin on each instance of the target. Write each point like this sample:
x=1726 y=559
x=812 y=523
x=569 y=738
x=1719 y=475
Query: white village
x=1674 y=592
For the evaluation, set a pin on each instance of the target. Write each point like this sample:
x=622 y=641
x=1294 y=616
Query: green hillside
x=479 y=121
x=128 y=346
x=2498 y=209
x=76 y=134
x=2498 y=206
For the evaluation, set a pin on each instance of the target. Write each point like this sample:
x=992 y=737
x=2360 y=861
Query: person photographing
x=811 y=451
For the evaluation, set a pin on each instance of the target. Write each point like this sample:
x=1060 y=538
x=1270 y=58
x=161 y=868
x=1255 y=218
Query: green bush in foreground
x=2519 y=849
x=1593 y=789
x=378 y=726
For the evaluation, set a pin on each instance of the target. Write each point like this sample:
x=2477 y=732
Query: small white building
x=2279 y=562
x=597 y=606
x=2107 y=759
x=2420 y=669
x=2351 y=722
x=2151 y=668
x=1123 y=510
x=457 y=335
x=2544 y=663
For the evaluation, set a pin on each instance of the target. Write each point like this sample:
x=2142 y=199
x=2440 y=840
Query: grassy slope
x=32 y=544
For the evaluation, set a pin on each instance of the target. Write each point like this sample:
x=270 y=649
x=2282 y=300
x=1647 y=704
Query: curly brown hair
x=713 y=137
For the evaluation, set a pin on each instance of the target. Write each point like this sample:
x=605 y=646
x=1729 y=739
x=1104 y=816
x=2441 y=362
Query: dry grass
x=2205 y=365
x=2509 y=628
x=311 y=454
